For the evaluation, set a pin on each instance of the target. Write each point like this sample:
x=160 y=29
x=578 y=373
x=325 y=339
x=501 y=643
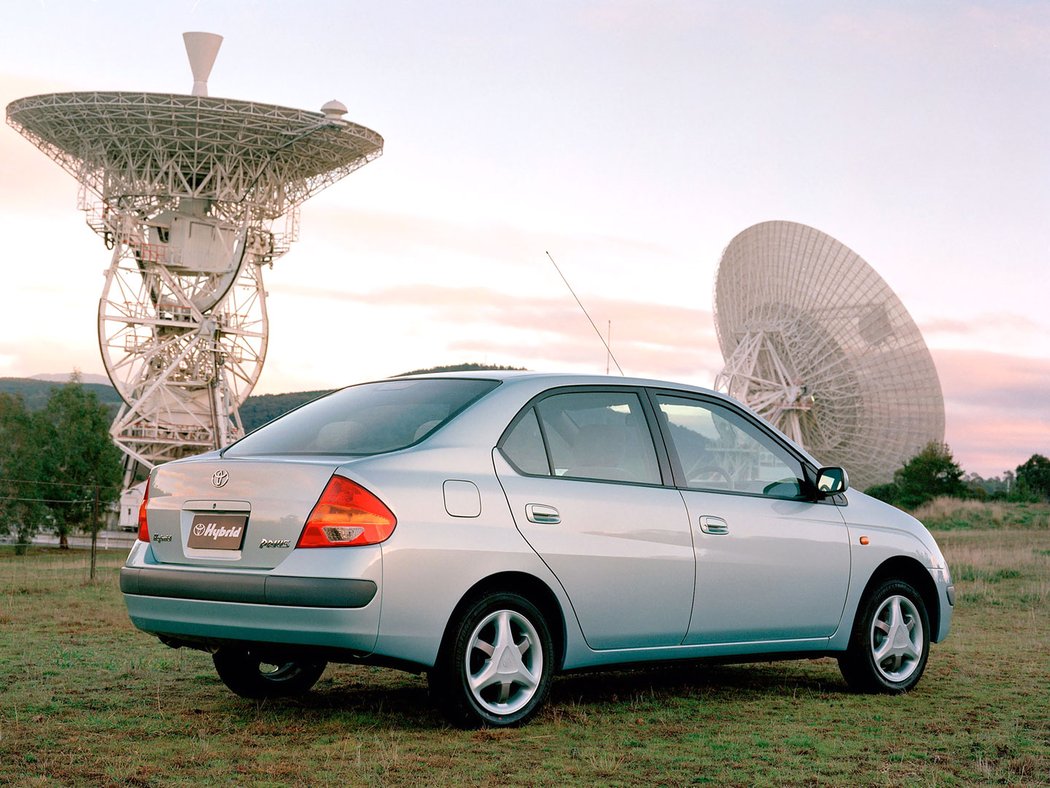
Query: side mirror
x=832 y=480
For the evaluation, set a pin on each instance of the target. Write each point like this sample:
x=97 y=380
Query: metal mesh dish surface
x=817 y=343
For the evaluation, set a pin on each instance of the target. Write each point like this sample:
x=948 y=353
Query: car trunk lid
x=245 y=513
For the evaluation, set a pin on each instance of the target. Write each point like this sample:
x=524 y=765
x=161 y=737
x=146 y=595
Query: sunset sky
x=632 y=140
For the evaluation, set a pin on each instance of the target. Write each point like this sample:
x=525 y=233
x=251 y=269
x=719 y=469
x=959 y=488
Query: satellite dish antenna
x=193 y=195
x=819 y=345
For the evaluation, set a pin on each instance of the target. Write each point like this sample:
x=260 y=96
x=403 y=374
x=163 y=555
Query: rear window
x=372 y=418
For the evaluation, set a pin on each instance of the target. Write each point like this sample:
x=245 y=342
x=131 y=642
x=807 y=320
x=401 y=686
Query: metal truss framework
x=817 y=343
x=186 y=191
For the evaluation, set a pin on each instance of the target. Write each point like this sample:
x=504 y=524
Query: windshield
x=372 y=418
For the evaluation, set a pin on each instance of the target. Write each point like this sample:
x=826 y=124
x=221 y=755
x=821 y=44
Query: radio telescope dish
x=193 y=195
x=816 y=343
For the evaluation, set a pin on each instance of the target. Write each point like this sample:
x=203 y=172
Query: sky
x=631 y=140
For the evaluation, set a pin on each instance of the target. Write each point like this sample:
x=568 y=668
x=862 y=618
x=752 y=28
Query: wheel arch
x=915 y=574
x=528 y=586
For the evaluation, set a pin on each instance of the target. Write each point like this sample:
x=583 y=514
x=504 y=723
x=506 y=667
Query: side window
x=718 y=449
x=523 y=446
x=599 y=435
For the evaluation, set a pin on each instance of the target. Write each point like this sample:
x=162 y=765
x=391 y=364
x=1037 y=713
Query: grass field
x=87 y=700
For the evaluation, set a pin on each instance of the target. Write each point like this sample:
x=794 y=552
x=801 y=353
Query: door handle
x=710 y=524
x=541 y=514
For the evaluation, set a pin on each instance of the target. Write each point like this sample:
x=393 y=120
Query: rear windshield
x=372 y=418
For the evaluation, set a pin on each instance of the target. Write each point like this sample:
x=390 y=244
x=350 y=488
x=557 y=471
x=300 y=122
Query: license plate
x=218 y=531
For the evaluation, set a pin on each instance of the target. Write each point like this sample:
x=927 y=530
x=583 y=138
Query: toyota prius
x=495 y=529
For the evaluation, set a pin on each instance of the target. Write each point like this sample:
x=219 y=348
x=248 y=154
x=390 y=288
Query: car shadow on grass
x=358 y=695
x=377 y=697
x=711 y=681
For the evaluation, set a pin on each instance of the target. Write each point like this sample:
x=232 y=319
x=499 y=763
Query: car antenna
x=584 y=310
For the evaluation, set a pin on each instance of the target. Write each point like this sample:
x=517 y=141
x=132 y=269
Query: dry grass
x=943 y=508
x=85 y=699
x=942 y=514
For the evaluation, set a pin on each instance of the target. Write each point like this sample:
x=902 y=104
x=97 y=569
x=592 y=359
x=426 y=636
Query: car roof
x=563 y=379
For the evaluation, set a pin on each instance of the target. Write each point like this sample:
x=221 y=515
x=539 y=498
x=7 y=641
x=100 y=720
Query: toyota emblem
x=220 y=477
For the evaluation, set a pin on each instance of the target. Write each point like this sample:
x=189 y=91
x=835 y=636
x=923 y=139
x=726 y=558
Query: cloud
x=924 y=28
x=80 y=352
x=400 y=233
x=976 y=378
x=1006 y=27
x=636 y=20
x=979 y=325
x=540 y=332
x=997 y=408
x=997 y=405
x=634 y=321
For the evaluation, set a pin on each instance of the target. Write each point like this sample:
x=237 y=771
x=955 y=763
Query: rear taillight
x=143 y=526
x=346 y=515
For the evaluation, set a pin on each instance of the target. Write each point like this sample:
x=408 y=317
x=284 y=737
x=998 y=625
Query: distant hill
x=256 y=411
x=85 y=377
x=35 y=392
x=471 y=367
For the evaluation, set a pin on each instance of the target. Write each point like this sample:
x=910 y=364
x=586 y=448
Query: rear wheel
x=890 y=641
x=495 y=668
x=253 y=675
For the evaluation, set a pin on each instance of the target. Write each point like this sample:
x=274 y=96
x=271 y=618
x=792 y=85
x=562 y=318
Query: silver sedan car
x=494 y=529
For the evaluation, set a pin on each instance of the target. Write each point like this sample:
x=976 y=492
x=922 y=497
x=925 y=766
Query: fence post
x=94 y=531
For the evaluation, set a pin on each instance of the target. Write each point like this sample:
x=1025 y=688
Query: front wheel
x=495 y=669
x=890 y=641
x=256 y=676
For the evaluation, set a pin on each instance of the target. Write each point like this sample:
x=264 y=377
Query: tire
x=890 y=641
x=496 y=664
x=252 y=675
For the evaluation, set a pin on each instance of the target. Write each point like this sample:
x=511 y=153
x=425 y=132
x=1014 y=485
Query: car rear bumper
x=211 y=606
x=247 y=588
x=215 y=623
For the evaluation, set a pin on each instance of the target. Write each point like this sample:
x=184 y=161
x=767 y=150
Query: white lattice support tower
x=818 y=344
x=193 y=195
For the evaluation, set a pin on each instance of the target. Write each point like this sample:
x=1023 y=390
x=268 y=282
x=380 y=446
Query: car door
x=771 y=564
x=584 y=484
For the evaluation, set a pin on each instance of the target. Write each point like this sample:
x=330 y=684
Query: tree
x=1033 y=478
x=930 y=473
x=22 y=496
x=79 y=458
x=887 y=492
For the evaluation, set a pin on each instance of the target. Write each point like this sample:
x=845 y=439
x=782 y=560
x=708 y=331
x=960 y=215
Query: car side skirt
x=752 y=651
